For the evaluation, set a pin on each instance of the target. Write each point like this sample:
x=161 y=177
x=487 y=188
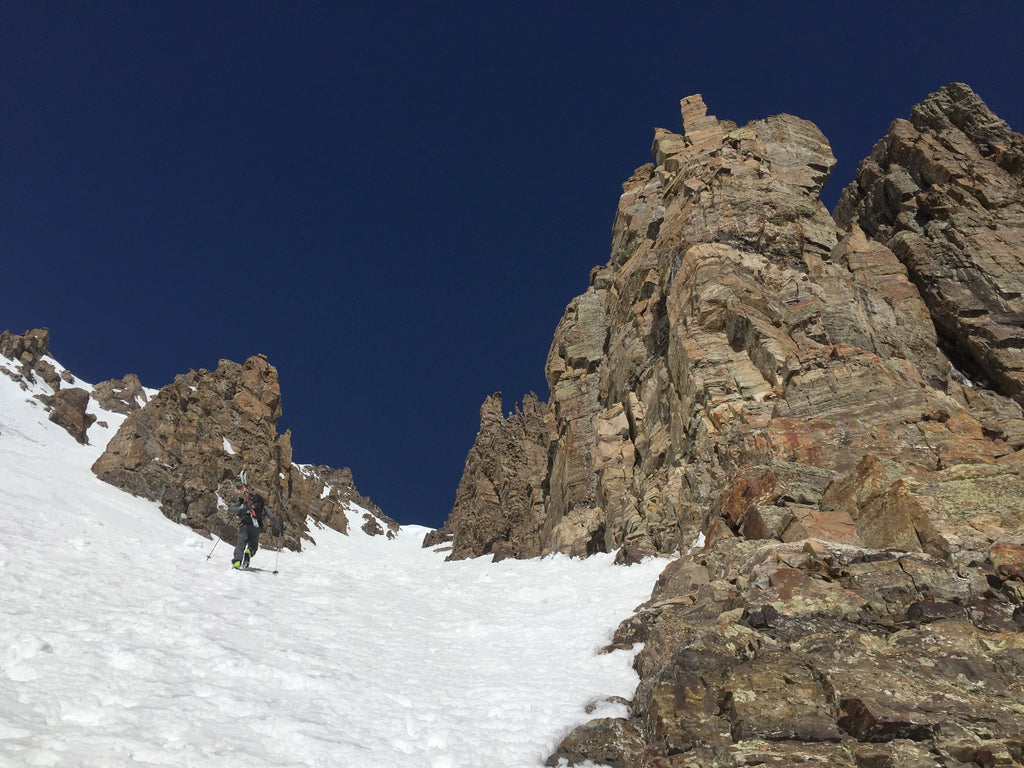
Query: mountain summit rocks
x=945 y=191
x=832 y=407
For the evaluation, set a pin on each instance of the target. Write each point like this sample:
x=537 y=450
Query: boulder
x=610 y=741
x=67 y=408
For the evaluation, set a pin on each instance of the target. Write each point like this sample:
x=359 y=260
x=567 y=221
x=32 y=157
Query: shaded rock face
x=748 y=368
x=499 y=502
x=187 y=446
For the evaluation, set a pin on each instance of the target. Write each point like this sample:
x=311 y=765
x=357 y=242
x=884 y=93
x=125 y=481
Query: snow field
x=122 y=644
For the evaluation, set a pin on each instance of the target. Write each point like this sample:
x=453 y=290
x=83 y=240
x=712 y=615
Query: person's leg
x=252 y=543
x=243 y=541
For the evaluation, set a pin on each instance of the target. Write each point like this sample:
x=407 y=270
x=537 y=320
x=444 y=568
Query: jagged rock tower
x=835 y=404
x=741 y=350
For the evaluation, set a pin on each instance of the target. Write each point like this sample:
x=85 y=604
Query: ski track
x=122 y=644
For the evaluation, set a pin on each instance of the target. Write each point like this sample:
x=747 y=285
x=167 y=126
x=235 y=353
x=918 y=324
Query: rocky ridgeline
x=186 y=446
x=29 y=357
x=835 y=404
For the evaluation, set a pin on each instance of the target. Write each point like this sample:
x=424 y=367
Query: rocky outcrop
x=124 y=396
x=737 y=332
x=833 y=404
x=67 y=405
x=186 y=447
x=944 y=191
x=327 y=495
x=29 y=355
x=821 y=653
x=27 y=352
x=499 y=503
x=883 y=628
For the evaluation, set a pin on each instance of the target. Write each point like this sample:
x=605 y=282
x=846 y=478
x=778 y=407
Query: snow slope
x=122 y=643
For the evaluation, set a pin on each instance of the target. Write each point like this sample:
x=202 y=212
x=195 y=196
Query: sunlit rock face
x=186 y=447
x=945 y=191
x=834 y=403
x=738 y=331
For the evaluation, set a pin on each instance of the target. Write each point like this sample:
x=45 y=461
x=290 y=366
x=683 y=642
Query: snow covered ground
x=121 y=643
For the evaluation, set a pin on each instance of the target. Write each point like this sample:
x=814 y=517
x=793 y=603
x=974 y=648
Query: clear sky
x=395 y=201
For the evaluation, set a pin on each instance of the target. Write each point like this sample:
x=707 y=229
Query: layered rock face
x=748 y=368
x=945 y=191
x=737 y=326
x=824 y=654
x=187 y=446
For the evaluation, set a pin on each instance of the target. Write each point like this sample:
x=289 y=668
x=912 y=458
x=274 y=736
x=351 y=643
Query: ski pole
x=214 y=547
x=278 y=556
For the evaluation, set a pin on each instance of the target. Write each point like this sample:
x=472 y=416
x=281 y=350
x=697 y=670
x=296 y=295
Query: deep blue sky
x=395 y=203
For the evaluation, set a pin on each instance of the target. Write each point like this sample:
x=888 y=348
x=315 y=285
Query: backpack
x=257 y=507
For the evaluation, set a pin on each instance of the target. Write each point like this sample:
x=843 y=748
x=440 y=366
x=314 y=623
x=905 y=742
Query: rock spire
x=739 y=335
x=822 y=417
x=186 y=447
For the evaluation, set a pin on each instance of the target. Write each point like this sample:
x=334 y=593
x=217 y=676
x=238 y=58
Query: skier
x=251 y=512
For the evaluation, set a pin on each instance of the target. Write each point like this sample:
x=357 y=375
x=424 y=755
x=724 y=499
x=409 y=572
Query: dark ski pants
x=248 y=538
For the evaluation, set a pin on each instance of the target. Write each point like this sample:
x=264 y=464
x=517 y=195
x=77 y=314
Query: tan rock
x=499 y=502
x=826 y=525
x=1008 y=560
x=776 y=381
x=27 y=349
x=68 y=409
x=944 y=190
x=186 y=447
x=121 y=395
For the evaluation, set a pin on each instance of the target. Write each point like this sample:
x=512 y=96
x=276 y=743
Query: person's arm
x=278 y=524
